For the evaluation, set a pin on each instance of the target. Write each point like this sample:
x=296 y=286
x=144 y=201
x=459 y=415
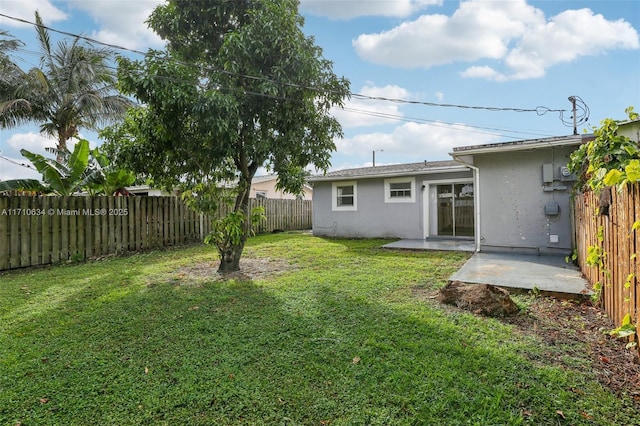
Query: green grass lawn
x=342 y=334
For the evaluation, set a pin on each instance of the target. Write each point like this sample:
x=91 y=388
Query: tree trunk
x=230 y=255
x=230 y=259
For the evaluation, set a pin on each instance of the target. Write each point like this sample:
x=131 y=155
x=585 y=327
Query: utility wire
x=456 y=126
x=438 y=123
x=27 y=166
x=540 y=110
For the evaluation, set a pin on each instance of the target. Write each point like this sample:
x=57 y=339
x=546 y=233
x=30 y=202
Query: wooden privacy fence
x=43 y=230
x=612 y=235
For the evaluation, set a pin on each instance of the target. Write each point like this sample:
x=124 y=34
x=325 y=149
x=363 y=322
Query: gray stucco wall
x=373 y=218
x=513 y=197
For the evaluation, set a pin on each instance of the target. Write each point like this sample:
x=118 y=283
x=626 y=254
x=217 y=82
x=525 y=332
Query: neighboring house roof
x=269 y=178
x=421 y=168
x=522 y=145
x=265 y=178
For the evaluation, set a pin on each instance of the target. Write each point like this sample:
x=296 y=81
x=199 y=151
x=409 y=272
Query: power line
x=438 y=123
x=26 y=166
x=540 y=110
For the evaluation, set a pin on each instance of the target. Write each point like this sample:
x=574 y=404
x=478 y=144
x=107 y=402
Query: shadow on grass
x=114 y=351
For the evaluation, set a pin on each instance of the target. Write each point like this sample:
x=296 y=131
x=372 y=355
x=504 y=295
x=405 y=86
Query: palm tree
x=9 y=72
x=73 y=88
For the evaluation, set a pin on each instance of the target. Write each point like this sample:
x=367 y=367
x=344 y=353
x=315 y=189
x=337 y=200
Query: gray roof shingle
x=389 y=171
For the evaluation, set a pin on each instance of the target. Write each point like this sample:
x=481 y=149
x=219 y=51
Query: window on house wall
x=344 y=196
x=399 y=190
x=261 y=195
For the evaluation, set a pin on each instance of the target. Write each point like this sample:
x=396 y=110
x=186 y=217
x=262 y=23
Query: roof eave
x=459 y=168
x=520 y=146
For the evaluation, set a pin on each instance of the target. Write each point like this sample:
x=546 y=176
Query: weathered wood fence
x=44 y=230
x=613 y=236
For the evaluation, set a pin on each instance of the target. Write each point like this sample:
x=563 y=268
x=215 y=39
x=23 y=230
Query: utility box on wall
x=566 y=175
x=547 y=173
x=551 y=208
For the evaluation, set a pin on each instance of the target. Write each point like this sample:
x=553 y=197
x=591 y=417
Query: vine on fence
x=608 y=161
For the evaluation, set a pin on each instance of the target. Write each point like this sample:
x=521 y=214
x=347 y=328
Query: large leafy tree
x=239 y=87
x=73 y=88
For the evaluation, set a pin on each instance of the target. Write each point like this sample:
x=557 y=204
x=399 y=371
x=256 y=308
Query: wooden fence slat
x=5 y=235
x=35 y=229
x=24 y=233
x=89 y=220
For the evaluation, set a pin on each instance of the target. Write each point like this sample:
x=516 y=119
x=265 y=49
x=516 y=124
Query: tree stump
x=483 y=299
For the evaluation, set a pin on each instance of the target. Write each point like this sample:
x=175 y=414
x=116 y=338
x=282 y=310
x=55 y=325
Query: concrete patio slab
x=550 y=274
x=546 y=273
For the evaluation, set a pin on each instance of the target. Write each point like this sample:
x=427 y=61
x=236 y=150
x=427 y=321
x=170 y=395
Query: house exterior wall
x=374 y=218
x=630 y=130
x=512 y=199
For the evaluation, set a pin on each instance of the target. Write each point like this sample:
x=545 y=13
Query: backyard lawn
x=314 y=331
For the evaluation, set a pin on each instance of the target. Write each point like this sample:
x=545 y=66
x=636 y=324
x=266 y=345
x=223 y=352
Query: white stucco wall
x=513 y=198
x=374 y=218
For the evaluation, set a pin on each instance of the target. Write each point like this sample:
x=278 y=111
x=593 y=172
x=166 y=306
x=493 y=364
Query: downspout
x=476 y=196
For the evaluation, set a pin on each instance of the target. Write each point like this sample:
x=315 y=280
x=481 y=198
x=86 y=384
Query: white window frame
x=387 y=190
x=334 y=196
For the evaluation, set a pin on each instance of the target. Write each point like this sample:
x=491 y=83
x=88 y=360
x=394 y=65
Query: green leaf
x=632 y=171
x=613 y=177
x=50 y=173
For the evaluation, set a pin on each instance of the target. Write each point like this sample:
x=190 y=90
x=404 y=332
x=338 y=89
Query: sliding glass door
x=455 y=212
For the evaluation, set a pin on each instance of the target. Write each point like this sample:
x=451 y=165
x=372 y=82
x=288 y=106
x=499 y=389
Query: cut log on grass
x=483 y=299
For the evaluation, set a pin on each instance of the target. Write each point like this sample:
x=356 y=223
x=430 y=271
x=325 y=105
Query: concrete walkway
x=549 y=274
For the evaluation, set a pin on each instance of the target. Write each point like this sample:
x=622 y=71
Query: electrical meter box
x=551 y=208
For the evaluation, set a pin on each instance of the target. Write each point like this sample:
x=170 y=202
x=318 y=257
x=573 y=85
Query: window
x=399 y=190
x=344 y=196
x=261 y=195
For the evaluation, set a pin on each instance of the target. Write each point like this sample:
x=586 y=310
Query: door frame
x=427 y=203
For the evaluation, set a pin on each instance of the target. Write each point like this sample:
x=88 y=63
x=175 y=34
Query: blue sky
x=509 y=54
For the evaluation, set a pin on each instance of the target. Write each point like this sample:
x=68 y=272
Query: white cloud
x=33 y=142
x=512 y=33
x=413 y=142
x=17 y=168
x=363 y=112
x=25 y=9
x=566 y=37
x=12 y=166
x=123 y=23
x=348 y=9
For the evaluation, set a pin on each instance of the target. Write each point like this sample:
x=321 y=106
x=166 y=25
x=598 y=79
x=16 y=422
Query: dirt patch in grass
x=567 y=328
x=561 y=324
x=251 y=269
x=573 y=330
